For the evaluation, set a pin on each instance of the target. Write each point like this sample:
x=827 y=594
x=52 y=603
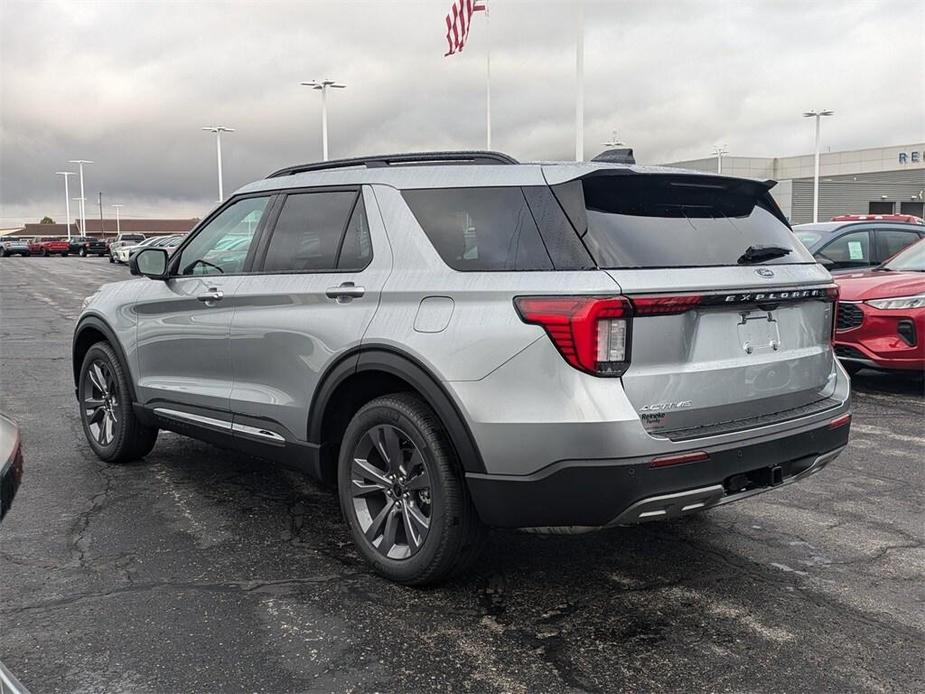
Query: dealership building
x=880 y=180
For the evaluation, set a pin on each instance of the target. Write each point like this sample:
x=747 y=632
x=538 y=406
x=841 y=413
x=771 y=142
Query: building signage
x=910 y=157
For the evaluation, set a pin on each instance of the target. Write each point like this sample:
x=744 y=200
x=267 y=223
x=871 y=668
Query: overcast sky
x=129 y=84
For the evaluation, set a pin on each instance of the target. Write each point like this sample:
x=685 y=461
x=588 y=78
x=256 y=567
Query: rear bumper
x=625 y=491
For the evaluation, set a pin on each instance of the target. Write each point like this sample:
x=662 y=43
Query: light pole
x=118 y=225
x=323 y=87
x=614 y=140
x=218 y=130
x=83 y=209
x=720 y=151
x=67 y=201
x=818 y=116
x=80 y=204
x=580 y=84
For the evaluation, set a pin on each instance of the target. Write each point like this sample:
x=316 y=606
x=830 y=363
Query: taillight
x=590 y=332
x=832 y=293
x=664 y=305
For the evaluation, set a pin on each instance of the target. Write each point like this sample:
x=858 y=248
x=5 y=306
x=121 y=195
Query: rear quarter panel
x=461 y=325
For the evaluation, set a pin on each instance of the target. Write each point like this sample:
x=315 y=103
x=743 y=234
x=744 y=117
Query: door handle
x=213 y=294
x=345 y=292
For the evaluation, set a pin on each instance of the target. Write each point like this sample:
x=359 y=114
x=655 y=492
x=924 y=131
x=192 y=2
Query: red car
x=908 y=218
x=50 y=246
x=880 y=322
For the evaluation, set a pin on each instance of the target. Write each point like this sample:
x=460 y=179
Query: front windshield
x=911 y=259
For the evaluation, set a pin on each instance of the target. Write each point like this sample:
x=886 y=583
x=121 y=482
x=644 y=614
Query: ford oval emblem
x=764 y=272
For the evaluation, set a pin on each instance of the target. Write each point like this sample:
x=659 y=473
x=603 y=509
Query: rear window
x=656 y=220
x=498 y=229
x=480 y=229
x=809 y=238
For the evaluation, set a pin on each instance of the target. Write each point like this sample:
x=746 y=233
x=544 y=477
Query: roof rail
x=420 y=158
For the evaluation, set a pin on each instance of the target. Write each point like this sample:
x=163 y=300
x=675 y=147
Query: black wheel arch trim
x=97 y=323
x=391 y=360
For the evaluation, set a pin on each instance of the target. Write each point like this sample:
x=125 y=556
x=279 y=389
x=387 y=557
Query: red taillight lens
x=832 y=293
x=839 y=422
x=680 y=459
x=591 y=332
x=664 y=305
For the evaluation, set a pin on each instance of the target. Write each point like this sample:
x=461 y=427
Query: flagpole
x=488 y=80
x=580 y=85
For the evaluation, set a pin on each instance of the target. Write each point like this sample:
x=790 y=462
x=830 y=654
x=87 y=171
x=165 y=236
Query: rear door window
x=850 y=250
x=480 y=229
x=666 y=220
x=309 y=231
x=892 y=241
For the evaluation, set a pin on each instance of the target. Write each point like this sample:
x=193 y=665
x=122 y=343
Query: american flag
x=458 y=22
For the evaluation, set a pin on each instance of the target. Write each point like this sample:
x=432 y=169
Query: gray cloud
x=128 y=84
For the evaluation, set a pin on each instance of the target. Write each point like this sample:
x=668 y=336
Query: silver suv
x=457 y=340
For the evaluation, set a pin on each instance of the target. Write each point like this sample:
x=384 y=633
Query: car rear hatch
x=731 y=319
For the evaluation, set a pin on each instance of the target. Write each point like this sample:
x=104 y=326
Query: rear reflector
x=590 y=332
x=666 y=460
x=840 y=421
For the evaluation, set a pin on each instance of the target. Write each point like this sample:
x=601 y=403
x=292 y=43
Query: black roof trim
x=616 y=156
x=420 y=158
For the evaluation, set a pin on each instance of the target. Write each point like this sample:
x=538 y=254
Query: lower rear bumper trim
x=674 y=505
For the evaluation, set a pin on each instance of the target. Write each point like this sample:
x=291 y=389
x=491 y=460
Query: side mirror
x=149 y=262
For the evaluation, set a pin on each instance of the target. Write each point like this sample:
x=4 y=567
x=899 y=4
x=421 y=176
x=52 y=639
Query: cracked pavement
x=199 y=569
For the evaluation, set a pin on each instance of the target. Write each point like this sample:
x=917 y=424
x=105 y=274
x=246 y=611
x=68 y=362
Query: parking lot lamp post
x=818 y=116
x=80 y=204
x=719 y=152
x=83 y=209
x=67 y=201
x=118 y=226
x=323 y=87
x=218 y=130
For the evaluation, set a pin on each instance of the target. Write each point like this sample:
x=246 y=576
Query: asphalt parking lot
x=200 y=569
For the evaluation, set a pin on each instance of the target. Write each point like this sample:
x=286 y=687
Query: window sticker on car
x=855 y=251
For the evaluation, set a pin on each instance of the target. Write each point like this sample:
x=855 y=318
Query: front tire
x=402 y=493
x=109 y=422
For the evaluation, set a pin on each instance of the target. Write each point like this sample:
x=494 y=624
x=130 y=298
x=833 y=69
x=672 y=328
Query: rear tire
x=82 y=252
x=417 y=527
x=113 y=431
x=64 y=255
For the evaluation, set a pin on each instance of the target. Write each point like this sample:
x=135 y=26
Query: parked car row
x=125 y=251
x=85 y=245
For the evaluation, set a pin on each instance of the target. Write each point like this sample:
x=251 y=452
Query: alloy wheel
x=101 y=402
x=391 y=491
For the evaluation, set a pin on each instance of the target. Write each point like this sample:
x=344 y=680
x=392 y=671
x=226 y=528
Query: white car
x=123 y=253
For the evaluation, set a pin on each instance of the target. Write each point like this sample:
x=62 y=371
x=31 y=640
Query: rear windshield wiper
x=758 y=254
